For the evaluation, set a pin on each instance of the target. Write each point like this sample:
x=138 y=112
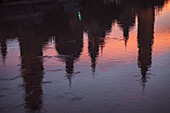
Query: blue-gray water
x=85 y=56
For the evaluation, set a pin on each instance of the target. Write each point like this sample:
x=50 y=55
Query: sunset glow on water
x=85 y=57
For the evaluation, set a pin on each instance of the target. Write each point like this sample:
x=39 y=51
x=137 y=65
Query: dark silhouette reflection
x=5 y=35
x=93 y=48
x=97 y=21
x=69 y=41
x=94 y=43
x=31 y=42
x=3 y=48
x=145 y=39
x=32 y=32
x=127 y=20
x=32 y=70
x=34 y=25
x=32 y=38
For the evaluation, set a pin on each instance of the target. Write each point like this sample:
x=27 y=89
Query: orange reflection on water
x=162 y=31
x=117 y=49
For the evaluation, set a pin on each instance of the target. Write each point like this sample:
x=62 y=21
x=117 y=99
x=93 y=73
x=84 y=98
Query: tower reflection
x=69 y=41
x=32 y=69
x=126 y=20
x=145 y=39
x=6 y=33
x=97 y=19
x=3 y=48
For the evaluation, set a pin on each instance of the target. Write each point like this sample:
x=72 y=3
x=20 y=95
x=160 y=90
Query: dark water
x=85 y=56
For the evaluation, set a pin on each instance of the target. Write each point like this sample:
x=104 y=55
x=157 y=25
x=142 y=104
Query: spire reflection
x=127 y=20
x=69 y=41
x=32 y=70
x=67 y=21
x=145 y=40
x=3 y=48
x=98 y=17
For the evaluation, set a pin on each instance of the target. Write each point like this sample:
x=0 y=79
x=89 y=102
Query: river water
x=85 y=56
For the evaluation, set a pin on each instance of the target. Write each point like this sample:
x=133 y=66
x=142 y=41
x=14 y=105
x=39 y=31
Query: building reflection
x=32 y=32
x=32 y=69
x=126 y=20
x=3 y=48
x=93 y=49
x=146 y=18
x=97 y=17
x=97 y=21
x=32 y=39
x=69 y=41
x=5 y=35
x=32 y=72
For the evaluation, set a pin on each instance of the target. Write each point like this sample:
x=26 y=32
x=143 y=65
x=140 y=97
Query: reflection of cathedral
x=3 y=48
x=69 y=43
x=32 y=69
x=145 y=39
x=31 y=45
x=97 y=22
x=126 y=20
x=34 y=29
x=32 y=73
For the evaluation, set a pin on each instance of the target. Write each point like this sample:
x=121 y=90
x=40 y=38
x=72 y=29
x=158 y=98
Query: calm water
x=85 y=56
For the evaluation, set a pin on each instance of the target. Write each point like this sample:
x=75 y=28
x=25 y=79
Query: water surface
x=85 y=56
